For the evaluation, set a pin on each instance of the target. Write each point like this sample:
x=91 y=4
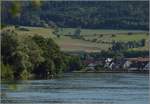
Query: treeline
x=111 y=54
x=86 y=14
x=121 y=46
x=33 y=57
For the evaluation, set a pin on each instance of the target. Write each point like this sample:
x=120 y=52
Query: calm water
x=120 y=88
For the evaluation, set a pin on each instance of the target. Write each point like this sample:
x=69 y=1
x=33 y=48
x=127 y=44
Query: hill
x=85 y=14
x=91 y=40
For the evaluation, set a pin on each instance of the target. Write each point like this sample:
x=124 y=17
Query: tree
x=21 y=60
x=118 y=46
x=15 y=9
x=45 y=69
x=53 y=63
x=24 y=75
x=74 y=63
x=77 y=14
x=34 y=55
x=56 y=32
x=143 y=42
x=77 y=32
x=9 y=44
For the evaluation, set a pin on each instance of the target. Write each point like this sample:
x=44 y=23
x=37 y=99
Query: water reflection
x=90 y=88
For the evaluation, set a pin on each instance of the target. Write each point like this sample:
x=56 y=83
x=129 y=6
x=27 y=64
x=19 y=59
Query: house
x=127 y=64
x=91 y=66
x=112 y=65
x=108 y=60
x=108 y=63
x=92 y=63
x=138 y=63
x=115 y=64
x=147 y=66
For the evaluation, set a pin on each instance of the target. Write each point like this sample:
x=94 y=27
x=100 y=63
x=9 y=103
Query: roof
x=108 y=60
x=92 y=61
x=91 y=65
x=88 y=61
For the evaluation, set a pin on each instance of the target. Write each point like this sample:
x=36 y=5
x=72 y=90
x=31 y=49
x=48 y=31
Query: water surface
x=83 y=88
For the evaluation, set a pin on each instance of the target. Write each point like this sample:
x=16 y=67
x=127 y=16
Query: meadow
x=93 y=40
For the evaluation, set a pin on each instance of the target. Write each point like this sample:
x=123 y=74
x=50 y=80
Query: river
x=79 y=88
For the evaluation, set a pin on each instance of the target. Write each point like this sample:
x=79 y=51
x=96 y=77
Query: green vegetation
x=33 y=56
x=86 y=14
x=134 y=37
x=38 y=51
x=125 y=53
x=90 y=40
x=6 y=72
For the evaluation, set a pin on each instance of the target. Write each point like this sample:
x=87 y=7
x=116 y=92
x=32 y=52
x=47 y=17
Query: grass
x=69 y=44
x=66 y=31
x=45 y=32
x=87 y=44
x=134 y=37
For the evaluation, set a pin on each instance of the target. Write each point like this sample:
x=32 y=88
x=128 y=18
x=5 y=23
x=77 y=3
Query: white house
x=112 y=65
x=127 y=64
x=108 y=62
x=147 y=66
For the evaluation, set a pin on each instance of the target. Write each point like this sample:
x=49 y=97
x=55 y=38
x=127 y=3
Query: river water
x=79 y=88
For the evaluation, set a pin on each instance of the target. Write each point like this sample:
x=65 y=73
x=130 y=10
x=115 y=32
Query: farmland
x=93 y=40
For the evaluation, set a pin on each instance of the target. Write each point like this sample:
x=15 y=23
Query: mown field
x=93 y=40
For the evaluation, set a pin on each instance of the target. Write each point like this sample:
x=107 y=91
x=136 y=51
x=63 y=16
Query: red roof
x=88 y=61
x=91 y=61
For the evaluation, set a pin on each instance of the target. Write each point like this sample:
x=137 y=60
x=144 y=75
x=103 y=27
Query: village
x=139 y=64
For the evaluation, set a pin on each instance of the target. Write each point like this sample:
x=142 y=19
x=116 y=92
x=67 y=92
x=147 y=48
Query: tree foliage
x=86 y=14
x=35 y=55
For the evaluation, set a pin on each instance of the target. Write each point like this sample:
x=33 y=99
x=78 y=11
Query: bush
x=147 y=34
x=24 y=75
x=101 y=35
x=94 y=40
x=113 y=35
x=3 y=26
x=130 y=33
x=136 y=53
x=6 y=72
x=16 y=26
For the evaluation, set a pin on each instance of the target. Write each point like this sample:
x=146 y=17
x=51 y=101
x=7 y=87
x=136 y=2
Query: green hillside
x=92 y=40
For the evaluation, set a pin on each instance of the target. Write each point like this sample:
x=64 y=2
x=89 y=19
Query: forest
x=85 y=14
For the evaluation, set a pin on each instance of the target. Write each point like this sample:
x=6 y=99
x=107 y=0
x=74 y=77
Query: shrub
x=16 y=26
x=101 y=35
x=130 y=33
x=6 y=72
x=24 y=75
x=94 y=40
x=113 y=35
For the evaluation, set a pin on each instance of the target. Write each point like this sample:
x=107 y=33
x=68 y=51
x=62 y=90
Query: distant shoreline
x=114 y=71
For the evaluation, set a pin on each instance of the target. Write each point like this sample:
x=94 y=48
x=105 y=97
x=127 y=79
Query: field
x=93 y=40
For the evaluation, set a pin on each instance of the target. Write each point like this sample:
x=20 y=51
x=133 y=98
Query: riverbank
x=113 y=71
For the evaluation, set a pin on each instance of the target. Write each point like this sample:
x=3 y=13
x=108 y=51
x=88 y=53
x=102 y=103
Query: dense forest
x=85 y=14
